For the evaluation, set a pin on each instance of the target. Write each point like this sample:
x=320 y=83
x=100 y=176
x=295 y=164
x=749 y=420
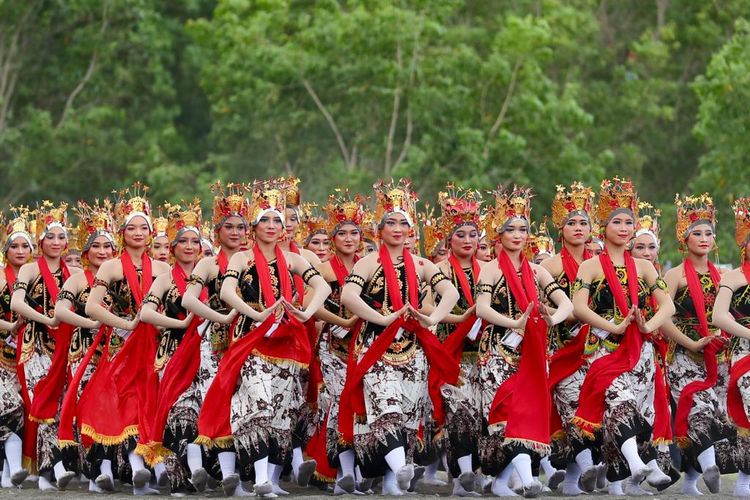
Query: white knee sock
x=194 y=457
x=106 y=468
x=549 y=471
x=160 y=469
x=629 y=450
x=389 y=481
x=707 y=458
x=274 y=472
x=396 y=458
x=261 y=470
x=742 y=486
x=431 y=469
x=297 y=460
x=14 y=452
x=464 y=463
x=136 y=462
x=346 y=459
x=522 y=463
x=59 y=469
x=227 y=461
x=584 y=460
x=5 y=482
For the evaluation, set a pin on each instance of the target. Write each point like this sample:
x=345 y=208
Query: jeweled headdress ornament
x=578 y=200
x=161 y=221
x=393 y=198
x=268 y=196
x=230 y=201
x=741 y=209
x=458 y=207
x=48 y=216
x=433 y=233
x=616 y=195
x=342 y=208
x=510 y=204
x=312 y=223
x=539 y=241
x=648 y=221
x=93 y=221
x=182 y=218
x=691 y=211
x=20 y=224
x=369 y=227
x=132 y=202
x=290 y=187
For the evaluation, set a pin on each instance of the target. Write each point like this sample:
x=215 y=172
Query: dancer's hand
x=424 y=319
x=640 y=320
x=619 y=328
x=521 y=322
x=277 y=309
x=546 y=313
x=229 y=317
x=187 y=320
x=390 y=318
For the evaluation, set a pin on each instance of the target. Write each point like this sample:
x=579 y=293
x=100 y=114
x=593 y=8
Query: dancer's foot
x=588 y=479
x=141 y=478
x=460 y=491
x=712 y=478
x=633 y=488
x=144 y=491
x=657 y=478
x=346 y=484
x=554 y=481
x=674 y=476
x=64 y=480
x=601 y=476
x=45 y=485
x=532 y=490
x=18 y=477
x=105 y=482
x=502 y=490
x=418 y=474
x=306 y=471
x=229 y=484
x=263 y=489
x=198 y=479
x=404 y=476
x=467 y=480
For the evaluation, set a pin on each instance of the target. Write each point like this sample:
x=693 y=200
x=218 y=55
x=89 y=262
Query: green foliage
x=97 y=93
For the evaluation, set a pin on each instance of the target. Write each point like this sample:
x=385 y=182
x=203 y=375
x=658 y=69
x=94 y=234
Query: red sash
x=522 y=401
x=709 y=352
x=222 y=261
x=735 y=408
x=214 y=428
x=352 y=400
x=606 y=369
x=299 y=284
x=317 y=449
x=118 y=402
x=180 y=371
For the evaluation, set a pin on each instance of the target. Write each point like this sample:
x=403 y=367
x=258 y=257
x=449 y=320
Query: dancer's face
x=464 y=241
x=645 y=247
x=232 y=233
x=347 y=239
x=187 y=247
x=160 y=249
x=137 y=232
x=620 y=229
x=269 y=228
x=395 y=230
x=54 y=243
x=576 y=231
x=320 y=245
x=101 y=250
x=19 y=252
x=514 y=237
x=700 y=240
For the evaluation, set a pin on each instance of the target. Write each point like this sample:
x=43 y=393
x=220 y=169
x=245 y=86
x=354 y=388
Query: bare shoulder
x=325 y=270
x=734 y=279
x=76 y=283
x=309 y=256
x=675 y=273
x=75 y=270
x=158 y=267
x=553 y=265
x=206 y=268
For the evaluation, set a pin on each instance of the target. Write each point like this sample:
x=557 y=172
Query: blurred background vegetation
x=97 y=93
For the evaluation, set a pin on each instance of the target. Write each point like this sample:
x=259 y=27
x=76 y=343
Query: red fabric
x=662 y=410
x=222 y=261
x=299 y=284
x=10 y=278
x=121 y=395
x=352 y=401
x=317 y=449
x=709 y=352
x=521 y=401
x=606 y=369
x=570 y=264
x=735 y=407
x=339 y=269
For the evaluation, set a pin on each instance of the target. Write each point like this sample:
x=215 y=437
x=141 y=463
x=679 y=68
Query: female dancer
x=571 y=214
x=610 y=294
x=698 y=379
x=98 y=246
x=38 y=286
x=231 y=210
x=510 y=380
x=344 y=220
x=458 y=331
x=270 y=346
x=17 y=249
x=387 y=380
x=732 y=315
x=484 y=249
x=115 y=408
x=314 y=233
x=177 y=357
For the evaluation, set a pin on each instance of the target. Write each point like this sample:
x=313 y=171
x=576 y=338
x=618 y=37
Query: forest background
x=97 y=93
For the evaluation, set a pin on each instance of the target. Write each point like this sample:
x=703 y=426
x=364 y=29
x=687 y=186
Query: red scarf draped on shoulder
x=118 y=402
x=709 y=352
x=454 y=344
x=214 y=428
x=735 y=406
x=521 y=401
x=569 y=358
x=299 y=284
x=181 y=369
x=606 y=369
x=352 y=402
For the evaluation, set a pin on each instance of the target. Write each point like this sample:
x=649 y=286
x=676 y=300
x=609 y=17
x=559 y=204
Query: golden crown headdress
x=230 y=200
x=49 y=215
x=341 y=208
x=207 y=231
x=161 y=221
x=183 y=217
x=312 y=222
x=741 y=209
x=369 y=226
x=131 y=202
x=290 y=187
x=268 y=195
x=509 y=204
x=692 y=209
x=578 y=200
x=648 y=219
x=539 y=241
x=20 y=221
x=395 y=197
x=458 y=207
x=615 y=194
x=93 y=220
x=432 y=231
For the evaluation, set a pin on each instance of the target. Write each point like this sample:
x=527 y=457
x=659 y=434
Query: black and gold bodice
x=338 y=346
x=36 y=335
x=123 y=306
x=740 y=309
x=218 y=333
x=169 y=338
x=249 y=286
x=686 y=319
x=375 y=294
x=7 y=339
x=83 y=337
x=561 y=334
x=445 y=329
x=491 y=341
x=603 y=304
